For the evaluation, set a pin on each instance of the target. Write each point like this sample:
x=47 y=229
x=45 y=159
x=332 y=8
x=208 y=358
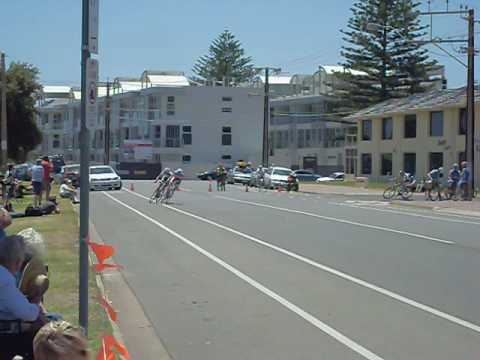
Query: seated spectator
x=60 y=341
x=19 y=318
x=5 y=221
x=67 y=191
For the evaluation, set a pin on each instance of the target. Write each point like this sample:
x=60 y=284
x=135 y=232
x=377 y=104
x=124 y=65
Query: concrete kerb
x=145 y=343
x=446 y=210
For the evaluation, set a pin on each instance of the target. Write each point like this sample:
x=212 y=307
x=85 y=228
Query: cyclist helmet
x=179 y=172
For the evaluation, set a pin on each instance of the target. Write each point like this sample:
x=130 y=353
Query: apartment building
x=167 y=123
x=415 y=134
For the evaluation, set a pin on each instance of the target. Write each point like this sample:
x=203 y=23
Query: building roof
x=164 y=78
x=125 y=84
x=277 y=79
x=53 y=103
x=54 y=89
x=424 y=101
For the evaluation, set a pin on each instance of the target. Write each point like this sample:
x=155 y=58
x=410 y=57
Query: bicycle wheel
x=432 y=196
x=406 y=193
x=389 y=193
x=154 y=196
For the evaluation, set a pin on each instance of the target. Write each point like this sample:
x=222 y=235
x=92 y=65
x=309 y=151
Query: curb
x=447 y=210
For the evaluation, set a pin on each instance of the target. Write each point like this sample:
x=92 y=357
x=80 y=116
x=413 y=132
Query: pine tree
x=383 y=58
x=225 y=61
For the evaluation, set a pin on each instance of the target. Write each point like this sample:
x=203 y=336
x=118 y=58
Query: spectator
x=47 y=170
x=464 y=180
x=5 y=221
x=37 y=182
x=9 y=187
x=60 y=341
x=67 y=191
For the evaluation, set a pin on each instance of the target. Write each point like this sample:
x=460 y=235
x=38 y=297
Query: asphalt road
x=268 y=275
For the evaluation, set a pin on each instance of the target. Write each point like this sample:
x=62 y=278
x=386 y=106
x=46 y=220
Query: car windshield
x=101 y=170
x=282 y=172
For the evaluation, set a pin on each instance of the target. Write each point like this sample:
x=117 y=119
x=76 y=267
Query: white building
x=161 y=125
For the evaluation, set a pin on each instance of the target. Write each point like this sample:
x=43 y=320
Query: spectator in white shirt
x=13 y=304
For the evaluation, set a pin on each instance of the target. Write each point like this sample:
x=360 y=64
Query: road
x=268 y=275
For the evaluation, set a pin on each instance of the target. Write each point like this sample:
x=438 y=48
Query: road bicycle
x=398 y=189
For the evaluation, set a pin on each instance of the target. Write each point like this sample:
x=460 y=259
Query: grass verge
x=60 y=232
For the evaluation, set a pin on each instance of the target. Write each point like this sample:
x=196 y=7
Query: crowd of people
x=455 y=184
x=27 y=329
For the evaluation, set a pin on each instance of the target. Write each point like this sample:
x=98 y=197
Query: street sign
x=91 y=103
x=93 y=26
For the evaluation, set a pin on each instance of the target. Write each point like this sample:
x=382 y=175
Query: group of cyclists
x=439 y=186
x=167 y=182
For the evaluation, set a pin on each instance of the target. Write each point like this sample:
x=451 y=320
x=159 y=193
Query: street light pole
x=108 y=110
x=3 y=114
x=84 y=176
x=470 y=136
x=266 y=112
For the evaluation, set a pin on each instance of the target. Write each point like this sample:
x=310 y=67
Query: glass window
x=387 y=128
x=436 y=160
x=386 y=164
x=171 y=99
x=366 y=164
x=173 y=136
x=436 y=123
x=409 y=163
x=308 y=138
x=158 y=131
x=226 y=157
x=227 y=98
x=226 y=136
x=301 y=138
x=410 y=126
x=187 y=135
x=367 y=130
x=186 y=158
x=227 y=109
x=170 y=109
x=462 y=122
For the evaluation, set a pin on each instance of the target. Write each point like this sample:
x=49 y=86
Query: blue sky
x=171 y=34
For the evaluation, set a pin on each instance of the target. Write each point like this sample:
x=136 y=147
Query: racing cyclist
x=162 y=180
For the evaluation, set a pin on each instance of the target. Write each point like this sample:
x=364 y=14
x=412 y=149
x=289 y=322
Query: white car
x=277 y=176
x=336 y=176
x=103 y=177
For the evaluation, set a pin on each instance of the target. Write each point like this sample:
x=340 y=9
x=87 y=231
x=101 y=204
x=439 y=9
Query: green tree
x=225 y=61
x=23 y=133
x=383 y=57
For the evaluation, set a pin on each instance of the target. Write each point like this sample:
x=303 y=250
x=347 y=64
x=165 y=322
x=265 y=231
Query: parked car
x=242 y=176
x=230 y=179
x=336 y=176
x=306 y=175
x=72 y=173
x=22 y=172
x=103 y=177
x=278 y=177
x=207 y=175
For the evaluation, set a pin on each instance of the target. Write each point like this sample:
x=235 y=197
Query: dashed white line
x=332 y=271
x=351 y=344
x=329 y=218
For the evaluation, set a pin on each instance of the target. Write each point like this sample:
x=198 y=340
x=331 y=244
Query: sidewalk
x=339 y=190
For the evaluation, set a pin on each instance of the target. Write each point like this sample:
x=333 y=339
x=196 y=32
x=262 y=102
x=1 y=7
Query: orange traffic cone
x=209 y=186
x=132 y=188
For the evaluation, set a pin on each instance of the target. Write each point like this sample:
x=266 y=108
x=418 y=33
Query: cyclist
x=435 y=176
x=260 y=176
x=162 y=180
x=221 y=178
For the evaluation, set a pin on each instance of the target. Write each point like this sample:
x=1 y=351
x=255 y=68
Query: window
x=227 y=98
x=173 y=136
x=171 y=99
x=461 y=157
x=387 y=164
x=153 y=107
x=158 y=132
x=367 y=130
x=308 y=138
x=409 y=163
x=187 y=135
x=226 y=157
x=44 y=119
x=56 y=141
x=226 y=135
x=410 y=126
x=226 y=109
x=387 y=129
x=186 y=158
x=436 y=123
x=170 y=109
x=366 y=164
x=301 y=138
x=126 y=133
x=462 y=122
x=436 y=160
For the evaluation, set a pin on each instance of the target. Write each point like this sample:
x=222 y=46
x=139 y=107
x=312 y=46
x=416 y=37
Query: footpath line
x=330 y=270
x=351 y=344
x=343 y=221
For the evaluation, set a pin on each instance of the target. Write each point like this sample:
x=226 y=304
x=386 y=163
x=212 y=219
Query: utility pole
x=84 y=175
x=108 y=111
x=3 y=127
x=266 y=114
x=470 y=136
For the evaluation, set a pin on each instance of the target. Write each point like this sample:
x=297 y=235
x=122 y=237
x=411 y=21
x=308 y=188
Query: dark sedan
x=207 y=175
x=306 y=175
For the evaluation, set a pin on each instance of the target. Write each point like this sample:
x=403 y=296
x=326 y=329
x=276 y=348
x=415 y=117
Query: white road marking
x=381 y=228
x=359 y=349
x=332 y=271
x=414 y=214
